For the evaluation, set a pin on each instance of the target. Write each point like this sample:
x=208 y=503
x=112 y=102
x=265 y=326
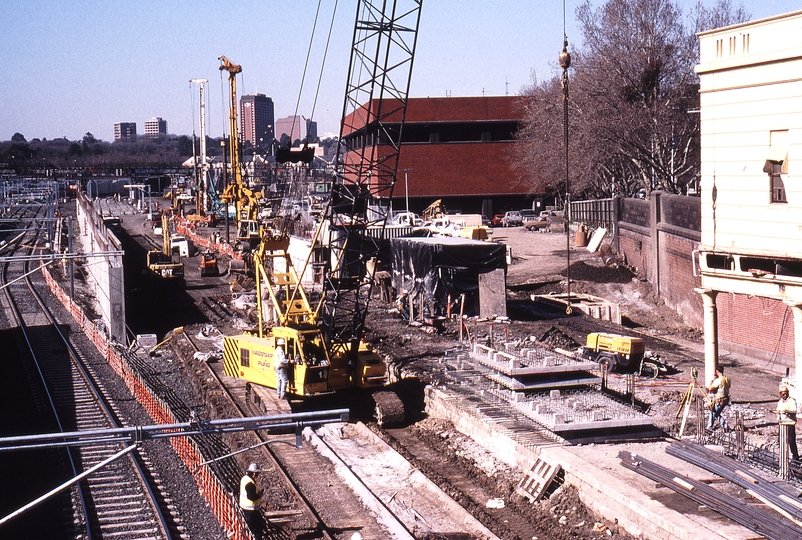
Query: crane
x=326 y=342
x=244 y=199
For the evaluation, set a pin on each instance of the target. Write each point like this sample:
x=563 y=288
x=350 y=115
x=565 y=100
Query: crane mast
x=204 y=202
x=379 y=74
x=233 y=191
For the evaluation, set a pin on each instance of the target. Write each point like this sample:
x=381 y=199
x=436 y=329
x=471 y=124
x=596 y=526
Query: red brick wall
x=636 y=249
x=677 y=282
x=442 y=170
x=757 y=327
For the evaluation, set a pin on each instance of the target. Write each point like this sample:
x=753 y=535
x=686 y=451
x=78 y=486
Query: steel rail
x=760 y=522
x=309 y=507
x=100 y=401
x=736 y=473
x=103 y=403
x=16 y=313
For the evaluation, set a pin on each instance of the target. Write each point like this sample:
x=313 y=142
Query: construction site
x=387 y=375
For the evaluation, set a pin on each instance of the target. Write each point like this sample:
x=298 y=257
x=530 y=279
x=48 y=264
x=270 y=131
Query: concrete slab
x=642 y=508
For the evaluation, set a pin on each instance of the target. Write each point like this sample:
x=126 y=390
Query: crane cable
x=295 y=186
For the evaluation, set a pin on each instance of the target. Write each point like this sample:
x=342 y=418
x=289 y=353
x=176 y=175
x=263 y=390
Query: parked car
x=512 y=219
x=528 y=214
x=409 y=219
x=540 y=222
x=498 y=220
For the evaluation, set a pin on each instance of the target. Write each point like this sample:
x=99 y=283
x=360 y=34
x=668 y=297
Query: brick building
x=458 y=150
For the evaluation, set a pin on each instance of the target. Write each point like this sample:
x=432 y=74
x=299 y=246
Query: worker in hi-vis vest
x=249 y=496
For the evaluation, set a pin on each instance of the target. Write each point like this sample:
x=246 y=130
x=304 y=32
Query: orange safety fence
x=223 y=504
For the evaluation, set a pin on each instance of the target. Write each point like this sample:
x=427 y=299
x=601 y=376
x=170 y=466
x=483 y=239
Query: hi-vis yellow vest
x=244 y=502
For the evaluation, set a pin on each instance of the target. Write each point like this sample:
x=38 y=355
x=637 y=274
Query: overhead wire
x=303 y=76
x=323 y=64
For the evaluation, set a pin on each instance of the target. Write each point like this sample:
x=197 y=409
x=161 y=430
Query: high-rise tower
x=256 y=121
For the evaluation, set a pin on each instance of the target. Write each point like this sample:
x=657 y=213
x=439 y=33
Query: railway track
x=116 y=500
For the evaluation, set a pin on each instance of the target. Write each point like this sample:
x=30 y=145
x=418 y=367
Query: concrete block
x=146 y=341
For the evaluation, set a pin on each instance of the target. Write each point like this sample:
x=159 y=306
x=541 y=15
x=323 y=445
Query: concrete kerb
x=394 y=528
x=603 y=493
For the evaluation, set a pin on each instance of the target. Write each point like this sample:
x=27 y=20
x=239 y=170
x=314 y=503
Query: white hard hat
x=280 y=341
x=356 y=536
x=253 y=467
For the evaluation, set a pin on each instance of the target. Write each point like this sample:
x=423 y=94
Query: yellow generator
x=614 y=351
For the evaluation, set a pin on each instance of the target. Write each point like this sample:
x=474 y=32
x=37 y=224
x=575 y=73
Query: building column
x=796 y=309
x=710 y=332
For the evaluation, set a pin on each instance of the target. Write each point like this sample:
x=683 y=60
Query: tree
x=632 y=94
x=18 y=137
x=89 y=139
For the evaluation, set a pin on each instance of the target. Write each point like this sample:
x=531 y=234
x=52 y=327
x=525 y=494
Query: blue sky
x=71 y=67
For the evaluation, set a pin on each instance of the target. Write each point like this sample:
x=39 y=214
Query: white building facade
x=751 y=138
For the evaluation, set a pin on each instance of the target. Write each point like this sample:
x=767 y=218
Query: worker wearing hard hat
x=249 y=497
x=786 y=417
x=281 y=366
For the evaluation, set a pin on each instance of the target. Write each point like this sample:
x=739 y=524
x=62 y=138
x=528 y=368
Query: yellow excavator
x=160 y=262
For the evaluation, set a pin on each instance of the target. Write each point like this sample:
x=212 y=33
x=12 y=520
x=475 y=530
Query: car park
x=512 y=219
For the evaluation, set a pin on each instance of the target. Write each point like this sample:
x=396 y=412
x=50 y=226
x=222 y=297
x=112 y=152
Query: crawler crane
x=326 y=344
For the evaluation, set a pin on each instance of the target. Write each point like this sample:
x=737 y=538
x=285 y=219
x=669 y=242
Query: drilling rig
x=245 y=200
x=326 y=343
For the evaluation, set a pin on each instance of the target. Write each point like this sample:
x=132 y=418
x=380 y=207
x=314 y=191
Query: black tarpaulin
x=443 y=267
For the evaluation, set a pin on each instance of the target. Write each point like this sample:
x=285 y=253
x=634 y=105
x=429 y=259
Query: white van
x=182 y=245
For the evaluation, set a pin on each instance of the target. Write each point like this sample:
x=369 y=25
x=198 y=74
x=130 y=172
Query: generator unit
x=614 y=351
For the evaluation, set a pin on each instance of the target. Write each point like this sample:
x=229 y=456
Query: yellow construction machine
x=160 y=262
x=614 y=351
x=315 y=366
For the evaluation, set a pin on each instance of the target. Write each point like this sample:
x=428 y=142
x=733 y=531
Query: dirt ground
x=540 y=263
x=539 y=266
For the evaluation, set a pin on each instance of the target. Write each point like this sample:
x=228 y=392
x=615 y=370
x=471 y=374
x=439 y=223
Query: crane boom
x=379 y=74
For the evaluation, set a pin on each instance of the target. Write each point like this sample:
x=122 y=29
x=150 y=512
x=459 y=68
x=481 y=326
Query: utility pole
x=406 y=188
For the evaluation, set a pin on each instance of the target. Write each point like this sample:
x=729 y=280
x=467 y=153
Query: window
x=434 y=137
x=777 y=186
x=777 y=164
x=486 y=136
x=245 y=357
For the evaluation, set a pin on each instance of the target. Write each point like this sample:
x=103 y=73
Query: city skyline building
x=155 y=127
x=297 y=128
x=124 y=130
x=257 y=117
